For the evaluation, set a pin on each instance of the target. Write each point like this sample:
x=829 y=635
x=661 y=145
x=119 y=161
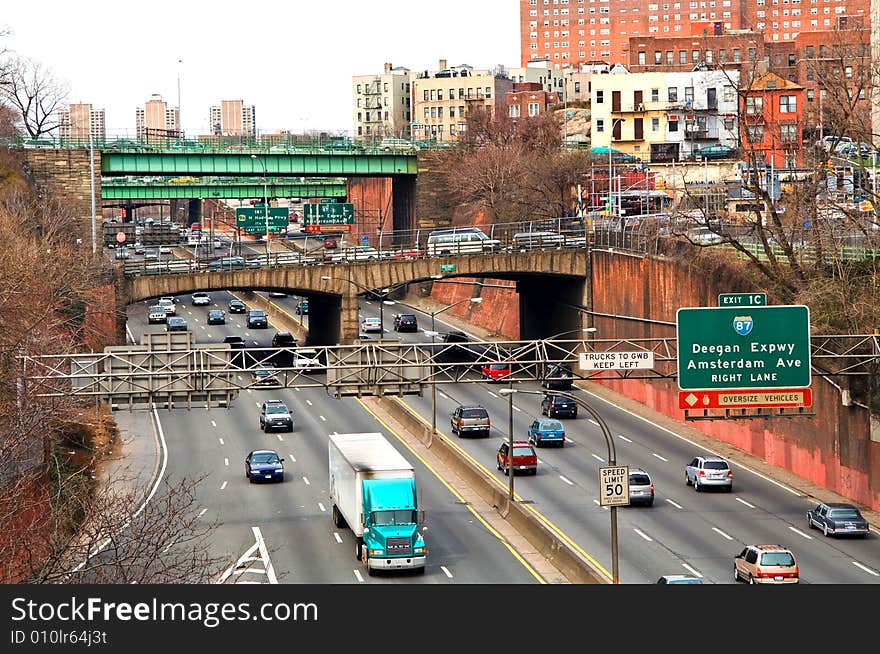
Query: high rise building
x=233 y=118
x=570 y=32
x=381 y=104
x=80 y=122
x=157 y=118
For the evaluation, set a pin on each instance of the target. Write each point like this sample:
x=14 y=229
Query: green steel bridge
x=226 y=188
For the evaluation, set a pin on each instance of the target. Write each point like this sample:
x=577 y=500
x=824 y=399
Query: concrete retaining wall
x=521 y=517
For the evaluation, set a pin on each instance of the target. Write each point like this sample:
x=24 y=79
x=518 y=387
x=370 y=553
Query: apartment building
x=771 y=114
x=233 y=118
x=382 y=104
x=156 y=117
x=664 y=116
x=529 y=100
x=81 y=122
x=569 y=32
x=540 y=71
x=442 y=100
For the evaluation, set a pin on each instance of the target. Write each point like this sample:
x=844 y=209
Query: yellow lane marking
x=458 y=496
x=561 y=534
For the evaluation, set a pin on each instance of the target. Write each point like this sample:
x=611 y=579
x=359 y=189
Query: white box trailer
x=373 y=490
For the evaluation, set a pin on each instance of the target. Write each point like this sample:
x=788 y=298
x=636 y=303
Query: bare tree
x=35 y=95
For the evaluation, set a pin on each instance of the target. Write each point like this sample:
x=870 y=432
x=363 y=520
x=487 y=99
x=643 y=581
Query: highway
x=683 y=532
x=292 y=519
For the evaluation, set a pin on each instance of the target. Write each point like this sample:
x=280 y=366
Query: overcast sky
x=292 y=60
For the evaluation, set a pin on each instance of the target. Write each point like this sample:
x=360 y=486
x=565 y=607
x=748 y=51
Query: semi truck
x=373 y=490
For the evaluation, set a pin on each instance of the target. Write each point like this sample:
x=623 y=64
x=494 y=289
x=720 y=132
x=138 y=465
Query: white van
x=462 y=240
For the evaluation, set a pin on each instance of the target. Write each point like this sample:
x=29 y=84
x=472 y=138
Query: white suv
x=708 y=472
x=168 y=304
x=201 y=299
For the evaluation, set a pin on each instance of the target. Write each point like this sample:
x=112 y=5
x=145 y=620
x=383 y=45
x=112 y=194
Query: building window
x=655 y=124
x=359 y=88
x=658 y=57
x=787 y=104
x=600 y=97
x=672 y=94
x=655 y=95
x=439 y=94
x=754 y=105
x=670 y=57
x=426 y=95
x=811 y=94
x=788 y=133
x=600 y=125
x=534 y=109
x=682 y=56
x=729 y=93
x=736 y=54
x=514 y=111
x=673 y=125
x=729 y=124
x=689 y=94
x=754 y=133
x=642 y=58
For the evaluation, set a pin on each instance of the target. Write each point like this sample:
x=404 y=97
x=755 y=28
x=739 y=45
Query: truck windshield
x=402 y=517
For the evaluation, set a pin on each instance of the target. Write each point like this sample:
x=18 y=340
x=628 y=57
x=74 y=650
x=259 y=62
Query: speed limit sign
x=614 y=486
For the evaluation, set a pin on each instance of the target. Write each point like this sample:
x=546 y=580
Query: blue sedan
x=263 y=465
x=544 y=431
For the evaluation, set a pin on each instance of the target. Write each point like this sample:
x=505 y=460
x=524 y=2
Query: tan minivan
x=766 y=564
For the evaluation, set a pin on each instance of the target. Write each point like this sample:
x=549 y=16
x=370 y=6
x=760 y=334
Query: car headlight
x=419 y=550
x=377 y=552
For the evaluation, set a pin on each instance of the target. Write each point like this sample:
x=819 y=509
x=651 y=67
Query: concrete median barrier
x=564 y=554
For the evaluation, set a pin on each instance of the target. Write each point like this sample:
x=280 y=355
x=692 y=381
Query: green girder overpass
x=226 y=188
x=170 y=163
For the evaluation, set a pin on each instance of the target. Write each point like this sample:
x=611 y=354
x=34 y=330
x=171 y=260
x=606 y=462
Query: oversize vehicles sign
x=614 y=486
x=743 y=348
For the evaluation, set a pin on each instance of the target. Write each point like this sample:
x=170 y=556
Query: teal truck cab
x=373 y=490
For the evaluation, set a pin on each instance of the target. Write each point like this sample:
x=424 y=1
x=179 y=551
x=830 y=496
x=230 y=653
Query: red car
x=496 y=371
x=525 y=459
x=410 y=253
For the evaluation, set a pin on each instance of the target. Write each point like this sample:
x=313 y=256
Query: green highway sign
x=742 y=300
x=447 y=267
x=253 y=217
x=745 y=347
x=328 y=213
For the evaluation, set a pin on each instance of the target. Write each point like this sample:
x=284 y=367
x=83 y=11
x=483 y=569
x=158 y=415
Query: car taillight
x=488 y=422
x=652 y=488
x=702 y=473
x=730 y=473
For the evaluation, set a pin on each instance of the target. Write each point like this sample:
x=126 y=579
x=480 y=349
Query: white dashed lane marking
x=566 y=480
x=223 y=485
x=445 y=571
x=337 y=537
x=741 y=501
x=717 y=530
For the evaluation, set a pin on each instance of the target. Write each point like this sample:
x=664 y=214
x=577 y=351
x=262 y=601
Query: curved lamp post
x=612 y=460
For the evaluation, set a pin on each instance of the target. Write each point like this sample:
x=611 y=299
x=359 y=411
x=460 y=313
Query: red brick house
x=772 y=121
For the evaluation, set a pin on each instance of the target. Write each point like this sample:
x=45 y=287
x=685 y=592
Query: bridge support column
x=349 y=322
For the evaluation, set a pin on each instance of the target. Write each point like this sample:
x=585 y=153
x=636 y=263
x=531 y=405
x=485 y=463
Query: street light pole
x=612 y=461
x=265 y=204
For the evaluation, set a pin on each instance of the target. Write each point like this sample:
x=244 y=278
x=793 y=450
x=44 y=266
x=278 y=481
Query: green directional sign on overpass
x=253 y=219
x=330 y=213
x=764 y=347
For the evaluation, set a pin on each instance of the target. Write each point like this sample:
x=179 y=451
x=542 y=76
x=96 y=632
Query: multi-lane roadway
x=683 y=532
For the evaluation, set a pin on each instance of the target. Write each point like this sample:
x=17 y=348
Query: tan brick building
x=80 y=122
x=382 y=104
x=233 y=118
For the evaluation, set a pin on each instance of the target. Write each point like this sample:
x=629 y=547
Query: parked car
x=470 y=420
x=236 y=306
x=139 y=249
x=201 y=299
x=641 y=487
x=156 y=314
x=371 y=325
x=708 y=472
x=264 y=464
x=123 y=253
x=356 y=253
x=151 y=253
x=714 y=152
x=257 y=319
x=227 y=263
x=274 y=414
x=525 y=459
x=302 y=308
x=559 y=378
x=703 y=236
x=405 y=322
x=164 y=249
x=766 y=564
x=679 y=579
x=496 y=372
x=537 y=240
x=556 y=406
x=544 y=431
x=216 y=317
x=837 y=519
x=839 y=143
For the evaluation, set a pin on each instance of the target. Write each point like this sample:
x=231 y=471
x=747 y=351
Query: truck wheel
x=338 y=520
x=358 y=549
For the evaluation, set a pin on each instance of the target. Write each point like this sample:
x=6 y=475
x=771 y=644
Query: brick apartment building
x=571 y=32
x=771 y=113
x=529 y=99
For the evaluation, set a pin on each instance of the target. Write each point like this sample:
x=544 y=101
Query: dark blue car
x=544 y=431
x=261 y=465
